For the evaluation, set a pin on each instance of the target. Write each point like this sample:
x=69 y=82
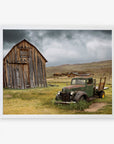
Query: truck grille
x=65 y=96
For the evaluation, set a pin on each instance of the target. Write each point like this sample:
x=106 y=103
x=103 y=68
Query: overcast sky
x=64 y=46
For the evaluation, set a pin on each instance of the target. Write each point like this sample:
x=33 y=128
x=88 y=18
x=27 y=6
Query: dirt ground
x=95 y=107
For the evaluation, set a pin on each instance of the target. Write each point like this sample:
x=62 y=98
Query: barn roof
x=28 y=43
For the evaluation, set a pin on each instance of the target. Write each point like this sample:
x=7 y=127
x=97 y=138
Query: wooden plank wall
x=24 y=72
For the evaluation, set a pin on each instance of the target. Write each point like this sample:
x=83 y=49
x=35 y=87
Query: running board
x=63 y=102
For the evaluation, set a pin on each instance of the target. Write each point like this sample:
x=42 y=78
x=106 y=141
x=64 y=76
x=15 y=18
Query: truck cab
x=86 y=84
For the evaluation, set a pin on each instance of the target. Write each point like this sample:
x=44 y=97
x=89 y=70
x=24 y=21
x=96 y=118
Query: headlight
x=71 y=92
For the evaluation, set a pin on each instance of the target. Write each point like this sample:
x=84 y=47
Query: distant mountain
x=100 y=67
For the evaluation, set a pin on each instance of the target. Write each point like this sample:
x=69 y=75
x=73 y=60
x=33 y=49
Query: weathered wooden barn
x=24 y=67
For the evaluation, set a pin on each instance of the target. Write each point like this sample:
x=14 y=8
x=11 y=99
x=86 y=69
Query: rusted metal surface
x=24 y=67
x=74 y=86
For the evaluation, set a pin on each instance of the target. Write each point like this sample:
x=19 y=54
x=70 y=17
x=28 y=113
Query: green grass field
x=41 y=100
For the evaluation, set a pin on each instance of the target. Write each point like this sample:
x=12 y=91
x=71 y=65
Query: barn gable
x=23 y=44
x=24 y=67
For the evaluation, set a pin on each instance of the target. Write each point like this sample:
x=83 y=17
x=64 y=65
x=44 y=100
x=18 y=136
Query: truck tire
x=78 y=98
x=82 y=98
x=101 y=94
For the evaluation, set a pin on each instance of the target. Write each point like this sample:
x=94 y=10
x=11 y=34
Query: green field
x=41 y=100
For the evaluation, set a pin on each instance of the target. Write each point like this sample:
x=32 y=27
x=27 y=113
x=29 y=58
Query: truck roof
x=83 y=77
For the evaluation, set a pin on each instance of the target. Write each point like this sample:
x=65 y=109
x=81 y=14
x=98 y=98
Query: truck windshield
x=78 y=82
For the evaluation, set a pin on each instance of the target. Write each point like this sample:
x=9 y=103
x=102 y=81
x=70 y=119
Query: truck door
x=89 y=87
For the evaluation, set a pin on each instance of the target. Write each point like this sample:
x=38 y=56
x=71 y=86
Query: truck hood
x=74 y=86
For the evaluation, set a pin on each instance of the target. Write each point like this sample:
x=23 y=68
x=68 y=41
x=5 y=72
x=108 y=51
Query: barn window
x=23 y=53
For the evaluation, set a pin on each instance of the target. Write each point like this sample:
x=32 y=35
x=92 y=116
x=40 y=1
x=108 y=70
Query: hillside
x=101 y=68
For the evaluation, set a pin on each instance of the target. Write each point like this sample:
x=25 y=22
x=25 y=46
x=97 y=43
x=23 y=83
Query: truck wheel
x=102 y=94
x=81 y=98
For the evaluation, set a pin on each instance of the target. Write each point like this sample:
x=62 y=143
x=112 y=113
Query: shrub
x=81 y=105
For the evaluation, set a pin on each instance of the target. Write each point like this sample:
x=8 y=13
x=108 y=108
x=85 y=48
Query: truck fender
x=79 y=94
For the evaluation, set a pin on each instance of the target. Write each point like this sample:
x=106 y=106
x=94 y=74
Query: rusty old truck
x=82 y=88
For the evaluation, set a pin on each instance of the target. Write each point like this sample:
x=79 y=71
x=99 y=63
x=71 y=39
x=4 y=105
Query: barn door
x=22 y=76
x=19 y=76
x=26 y=76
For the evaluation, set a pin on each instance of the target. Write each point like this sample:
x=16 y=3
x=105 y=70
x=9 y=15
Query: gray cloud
x=64 y=46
